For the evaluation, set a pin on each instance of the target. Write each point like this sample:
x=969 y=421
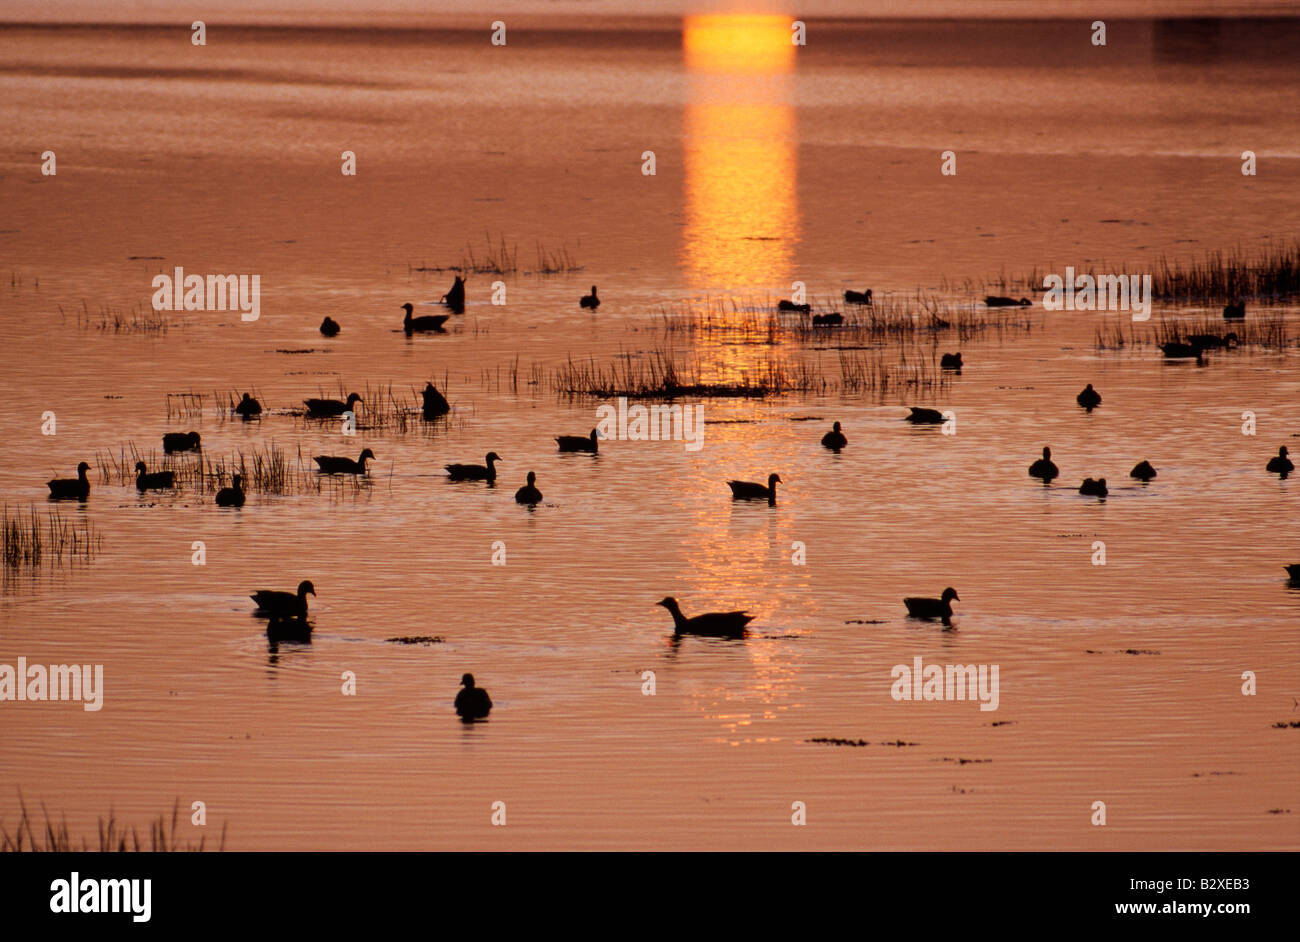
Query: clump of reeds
x=555 y=261
x=884 y=374
x=1225 y=276
x=112 y=835
x=184 y=405
x=498 y=259
x=660 y=376
x=30 y=541
x=118 y=321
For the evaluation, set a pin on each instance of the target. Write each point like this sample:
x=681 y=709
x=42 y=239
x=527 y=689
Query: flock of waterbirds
x=286 y=612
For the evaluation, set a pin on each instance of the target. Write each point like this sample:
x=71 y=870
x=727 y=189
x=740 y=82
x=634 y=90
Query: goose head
x=950 y=595
x=237 y=481
x=194 y=439
x=1047 y=453
x=83 y=467
x=304 y=587
x=1101 y=482
x=353 y=399
x=139 y=467
x=773 y=480
x=492 y=458
x=366 y=454
x=467 y=680
x=669 y=603
x=532 y=478
x=836 y=427
x=1282 y=452
x=408 y=308
x=595 y=436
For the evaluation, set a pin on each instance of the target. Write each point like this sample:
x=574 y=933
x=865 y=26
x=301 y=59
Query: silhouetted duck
x=857 y=297
x=472 y=703
x=950 y=361
x=1293 y=571
x=933 y=608
x=288 y=629
x=1180 y=351
x=77 y=488
x=1089 y=398
x=834 y=439
x=158 y=481
x=578 y=442
x=475 y=472
x=181 y=441
x=284 y=604
x=232 y=496
x=590 y=300
x=1213 y=341
x=1234 y=311
x=1044 y=468
x=1280 y=463
x=248 y=407
x=712 y=624
x=329 y=464
x=828 y=320
x=455 y=298
x=1093 y=488
x=329 y=327
x=924 y=416
x=1143 y=471
x=997 y=300
x=415 y=325
x=435 y=403
x=320 y=408
x=784 y=305
x=748 y=490
x=529 y=494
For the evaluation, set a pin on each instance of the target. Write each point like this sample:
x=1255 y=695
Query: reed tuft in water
x=112 y=836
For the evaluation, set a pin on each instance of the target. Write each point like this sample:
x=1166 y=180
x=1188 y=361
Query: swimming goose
x=1280 y=463
x=435 y=403
x=284 y=604
x=1093 y=488
x=472 y=703
x=291 y=629
x=329 y=327
x=828 y=320
x=1234 y=311
x=578 y=442
x=77 y=488
x=1143 y=471
x=712 y=624
x=997 y=300
x=475 y=472
x=857 y=297
x=232 y=496
x=1089 y=398
x=248 y=407
x=590 y=300
x=455 y=298
x=784 y=305
x=413 y=325
x=1293 y=571
x=933 y=608
x=1213 y=341
x=529 y=494
x=950 y=361
x=748 y=490
x=834 y=439
x=329 y=464
x=924 y=416
x=1181 y=351
x=181 y=441
x=158 y=481
x=1044 y=468
x=321 y=408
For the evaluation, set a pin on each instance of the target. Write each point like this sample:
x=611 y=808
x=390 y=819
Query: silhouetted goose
x=1143 y=471
x=834 y=439
x=1213 y=341
x=472 y=703
x=288 y=629
x=712 y=624
x=455 y=298
x=1180 y=351
x=950 y=361
x=77 y=488
x=997 y=300
x=429 y=322
x=329 y=327
x=181 y=441
x=748 y=490
x=590 y=300
x=1094 y=488
x=1235 y=311
x=828 y=320
x=924 y=416
x=1044 y=468
x=857 y=297
x=158 y=481
x=1280 y=463
x=248 y=407
x=784 y=305
x=529 y=494
x=578 y=442
x=933 y=608
x=319 y=408
x=475 y=472
x=232 y=496
x=1089 y=398
x=1293 y=571
x=435 y=403
x=329 y=464
x=278 y=604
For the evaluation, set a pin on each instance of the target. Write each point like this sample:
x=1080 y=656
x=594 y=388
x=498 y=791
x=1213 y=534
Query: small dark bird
x=288 y=629
x=950 y=361
x=933 y=608
x=248 y=407
x=784 y=305
x=1180 y=351
x=590 y=300
x=181 y=441
x=429 y=322
x=834 y=439
x=996 y=300
x=455 y=298
x=1234 y=311
x=924 y=416
x=329 y=327
x=711 y=624
x=158 y=481
x=828 y=320
x=1143 y=471
x=232 y=496
x=1044 y=468
x=435 y=403
x=748 y=490
x=1089 y=398
x=323 y=408
x=1293 y=571
x=284 y=604
x=578 y=442
x=475 y=472
x=1093 y=488
x=857 y=297
x=1213 y=341
x=529 y=494
x=77 y=488
x=472 y=703
x=328 y=464
x=1280 y=463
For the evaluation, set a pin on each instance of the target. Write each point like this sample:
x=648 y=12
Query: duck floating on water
x=325 y=408
x=857 y=297
x=181 y=441
x=710 y=624
x=77 y=488
x=1092 y=488
x=1181 y=351
x=590 y=300
x=997 y=300
x=232 y=496
x=579 y=442
x=1280 y=463
x=834 y=439
x=328 y=464
x=248 y=407
x=748 y=490
x=329 y=327
x=1234 y=311
x=930 y=609
x=435 y=403
x=950 y=361
x=276 y=604
x=924 y=416
x=1213 y=341
x=425 y=324
x=158 y=481
x=455 y=298
x=472 y=703
x=1089 y=398
x=784 y=305
x=529 y=494
x=475 y=472
x=833 y=319
x=1044 y=469
x=1143 y=471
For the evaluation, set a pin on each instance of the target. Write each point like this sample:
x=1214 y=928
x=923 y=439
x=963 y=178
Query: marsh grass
x=118 y=321
x=112 y=836
x=32 y=540
x=1261 y=332
x=1223 y=276
x=555 y=261
x=493 y=259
